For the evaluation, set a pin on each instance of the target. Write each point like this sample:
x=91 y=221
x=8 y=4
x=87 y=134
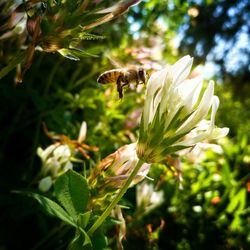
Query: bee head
x=142 y=75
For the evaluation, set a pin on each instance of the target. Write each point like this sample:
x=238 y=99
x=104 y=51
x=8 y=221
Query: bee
x=123 y=77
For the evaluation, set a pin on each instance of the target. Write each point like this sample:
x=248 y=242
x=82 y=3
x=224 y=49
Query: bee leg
x=119 y=87
x=125 y=84
x=125 y=81
x=137 y=83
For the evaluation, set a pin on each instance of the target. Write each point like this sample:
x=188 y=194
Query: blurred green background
x=211 y=210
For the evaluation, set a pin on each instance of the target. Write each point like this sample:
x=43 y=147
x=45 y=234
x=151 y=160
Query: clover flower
x=147 y=199
x=110 y=175
x=175 y=107
x=58 y=157
x=114 y=170
x=55 y=161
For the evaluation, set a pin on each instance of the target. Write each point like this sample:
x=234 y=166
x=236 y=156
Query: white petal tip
x=83 y=132
x=219 y=133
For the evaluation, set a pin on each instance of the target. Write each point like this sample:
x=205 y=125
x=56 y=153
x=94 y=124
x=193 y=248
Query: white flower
x=146 y=198
x=124 y=163
x=55 y=161
x=56 y=158
x=62 y=152
x=44 y=154
x=173 y=108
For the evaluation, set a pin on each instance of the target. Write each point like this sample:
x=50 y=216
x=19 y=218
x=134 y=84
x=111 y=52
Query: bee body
x=110 y=76
x=123 y=77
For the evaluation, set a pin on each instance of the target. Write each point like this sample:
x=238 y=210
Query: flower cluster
x=175 y=107
x=57 y=158
x=55 y=161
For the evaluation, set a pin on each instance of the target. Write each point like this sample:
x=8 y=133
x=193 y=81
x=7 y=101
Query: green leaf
x=244 y=141
x=172 y=139
x=74 y=53
x=99 y=240
x=12 y=64
x=81 y=241
x=68 y=54
x=173 y=149
x=81 y=53
x=227 y=176
x=72 y=191
x=89 y=36
x=83 y=219
x=52 y=208
x=238 y=201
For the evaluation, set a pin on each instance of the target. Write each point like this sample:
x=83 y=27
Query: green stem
x=122 y=191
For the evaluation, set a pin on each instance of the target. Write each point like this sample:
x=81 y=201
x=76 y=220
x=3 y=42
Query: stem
x=122 y=191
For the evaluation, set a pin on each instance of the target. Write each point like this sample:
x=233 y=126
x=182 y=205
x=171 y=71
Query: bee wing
x=117 y=64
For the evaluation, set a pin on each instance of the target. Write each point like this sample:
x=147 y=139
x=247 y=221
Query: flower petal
x=83 y=132
x=190 y=90
x=215 y=106
x=181 y=69
x=219 y=133
x=154 y=86
x=201 y=111
x=44 y=154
